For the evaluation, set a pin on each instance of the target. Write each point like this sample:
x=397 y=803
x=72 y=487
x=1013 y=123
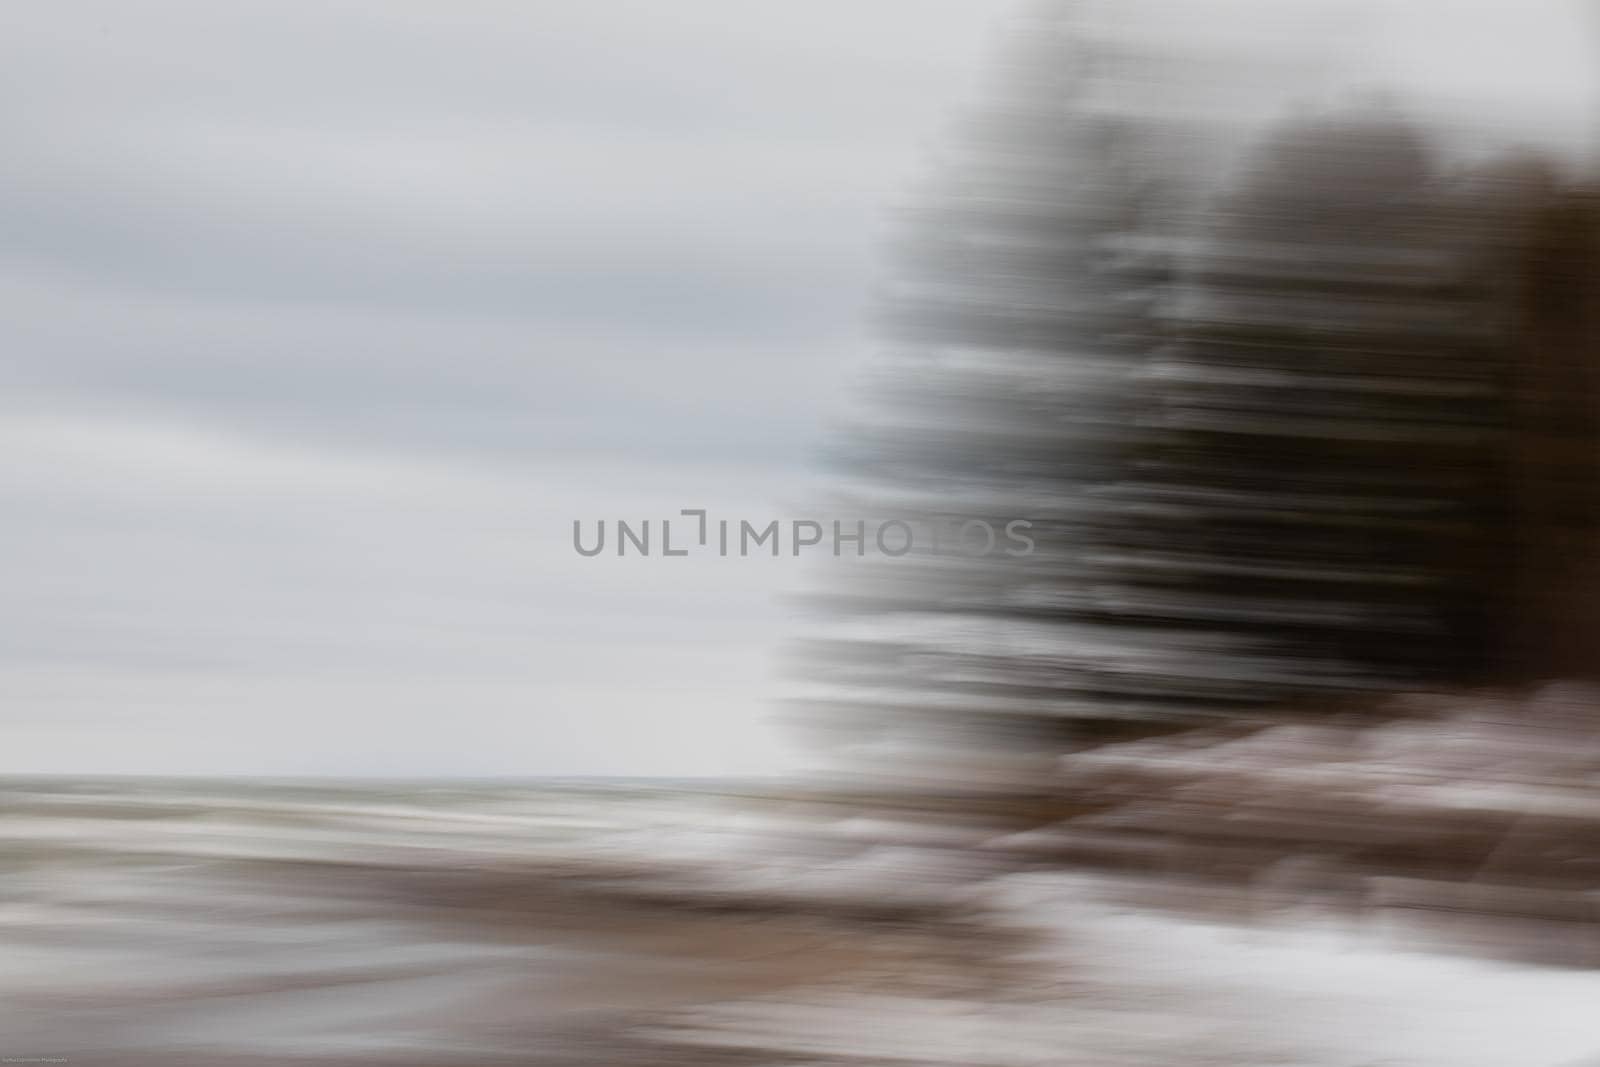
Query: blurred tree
x=1552 y=629
x=1323 y=473
x=1317 y=427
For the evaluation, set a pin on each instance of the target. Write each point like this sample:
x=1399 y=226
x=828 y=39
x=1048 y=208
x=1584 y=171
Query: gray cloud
x=323 y=321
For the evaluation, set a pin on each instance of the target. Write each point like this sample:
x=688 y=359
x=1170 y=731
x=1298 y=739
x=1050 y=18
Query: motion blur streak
x=1280 y=324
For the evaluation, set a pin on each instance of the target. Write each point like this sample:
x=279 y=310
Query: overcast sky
x=322 y=320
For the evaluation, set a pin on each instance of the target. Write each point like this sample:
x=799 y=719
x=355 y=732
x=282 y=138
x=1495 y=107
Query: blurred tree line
x=1291 y=432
